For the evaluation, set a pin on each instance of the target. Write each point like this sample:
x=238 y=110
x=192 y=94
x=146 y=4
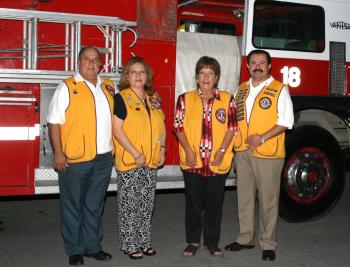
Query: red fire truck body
x=308 y=41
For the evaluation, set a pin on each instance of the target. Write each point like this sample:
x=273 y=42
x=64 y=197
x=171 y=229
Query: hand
x=253 y=141
x=60 y=162
x=191 y=158
x=161 y=157
x=218 y=157
x=140 y=160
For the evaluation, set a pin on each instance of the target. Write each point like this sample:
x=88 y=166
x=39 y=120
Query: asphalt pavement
x=30 y=236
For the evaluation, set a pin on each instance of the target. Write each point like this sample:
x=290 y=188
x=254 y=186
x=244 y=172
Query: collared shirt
x=284 y=104
x=206 y=143
x=60 y=102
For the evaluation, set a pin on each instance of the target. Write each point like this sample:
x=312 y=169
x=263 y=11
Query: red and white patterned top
x=207 y=135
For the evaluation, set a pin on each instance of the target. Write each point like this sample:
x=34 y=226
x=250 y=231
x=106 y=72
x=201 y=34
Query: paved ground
x=30 y=236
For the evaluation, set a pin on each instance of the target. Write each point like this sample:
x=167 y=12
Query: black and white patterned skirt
x=136 y=190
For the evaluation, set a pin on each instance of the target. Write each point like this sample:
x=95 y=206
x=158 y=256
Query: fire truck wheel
x=313 y=176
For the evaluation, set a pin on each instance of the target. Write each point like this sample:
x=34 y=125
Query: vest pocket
x=75 y=148
x=237 y=139
x=155 y=158
x=127 y=158
x=226 y=163
x=183 y=159
x=269 y=148
x=182 y=156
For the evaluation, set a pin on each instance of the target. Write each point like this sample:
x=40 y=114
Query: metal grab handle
x=15 y=104
x=44 y=138
x=135 y=35
x=14 y=91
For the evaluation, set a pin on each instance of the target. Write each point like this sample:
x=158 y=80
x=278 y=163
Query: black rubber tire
x=313 y=138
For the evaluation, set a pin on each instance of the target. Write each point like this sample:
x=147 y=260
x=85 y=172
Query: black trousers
x=83 y=188
x=204 y=200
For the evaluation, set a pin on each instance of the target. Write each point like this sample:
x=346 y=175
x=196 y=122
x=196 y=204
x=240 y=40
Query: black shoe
x=191 y=250
x=235 y=246
x=215 y=251
x=76 y=260
x=268 y=255
x=100 y=256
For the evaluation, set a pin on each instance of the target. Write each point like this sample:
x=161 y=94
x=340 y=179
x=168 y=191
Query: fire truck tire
x=313 y=176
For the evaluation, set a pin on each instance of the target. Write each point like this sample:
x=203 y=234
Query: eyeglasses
x=255 y=63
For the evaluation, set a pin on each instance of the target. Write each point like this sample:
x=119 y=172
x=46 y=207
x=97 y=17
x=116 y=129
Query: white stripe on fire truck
x=19 y=133
x=18 y=99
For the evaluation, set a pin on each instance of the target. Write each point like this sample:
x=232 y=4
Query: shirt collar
x=262 y=84
x=216 y=93
x=80 y=78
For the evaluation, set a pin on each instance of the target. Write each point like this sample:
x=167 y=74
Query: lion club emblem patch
x=155 y=102
x=110 y=89
x=265 y=102
x=220 y=115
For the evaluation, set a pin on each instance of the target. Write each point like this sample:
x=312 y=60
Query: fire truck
x=308 y=41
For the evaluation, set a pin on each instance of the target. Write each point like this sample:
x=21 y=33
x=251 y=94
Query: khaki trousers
x=262 y=176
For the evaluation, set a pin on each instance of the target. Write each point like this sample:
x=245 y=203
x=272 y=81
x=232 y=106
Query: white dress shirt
x=284 y=104
x=60 y=102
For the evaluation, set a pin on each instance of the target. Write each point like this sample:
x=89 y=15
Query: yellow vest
x=193 y=130
x=78 y=134
x=143 y=130
x=263 y=117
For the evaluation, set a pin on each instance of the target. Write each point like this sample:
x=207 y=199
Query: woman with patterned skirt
x=139 y=130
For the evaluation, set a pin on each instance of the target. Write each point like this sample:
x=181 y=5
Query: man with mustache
x=264 y=113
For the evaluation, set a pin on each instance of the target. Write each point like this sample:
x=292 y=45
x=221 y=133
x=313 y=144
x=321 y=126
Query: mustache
x=256 y=70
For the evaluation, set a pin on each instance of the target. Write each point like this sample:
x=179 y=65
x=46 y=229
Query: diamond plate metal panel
x=169 y=177
x=337 y=69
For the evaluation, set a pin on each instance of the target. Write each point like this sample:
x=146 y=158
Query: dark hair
x=259 y=51
x=124 y=83
x=209 y=62
x=81 y=52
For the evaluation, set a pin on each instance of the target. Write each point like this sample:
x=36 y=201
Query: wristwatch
x=262 y=139
x=223 y=150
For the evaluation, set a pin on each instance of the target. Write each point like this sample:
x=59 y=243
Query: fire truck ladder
x=29 y=51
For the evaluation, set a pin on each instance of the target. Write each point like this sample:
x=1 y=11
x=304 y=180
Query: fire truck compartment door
x=17 y=134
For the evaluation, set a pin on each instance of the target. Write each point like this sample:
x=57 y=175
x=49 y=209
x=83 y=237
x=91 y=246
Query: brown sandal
x=149 y=251
x=136 y=255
